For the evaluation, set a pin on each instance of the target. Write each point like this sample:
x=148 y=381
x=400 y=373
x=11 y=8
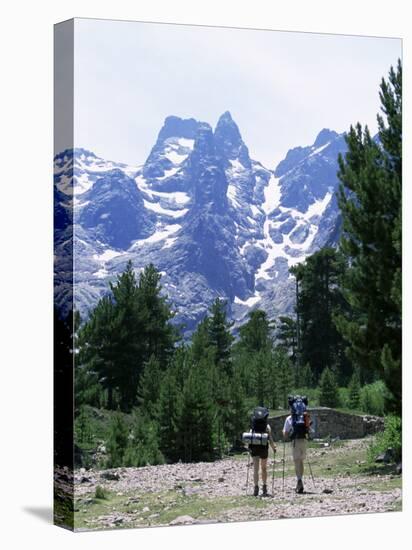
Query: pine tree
x=219 y=335
x=237 y=410
x=284 y=376
x=157 y=333
x=198 y=415
x=305 y=378
x=127 y=328
x=83 y=429
x=149 y=386
x=201 y=341
x=354 y=390
x=286 y=336
x=252 y=355
x=260 y=367
x=328 y=389
x=117 y=441
x=319 y=300
x=256 y=334
x=370 y=200
x=170 y=417
x=97 y=341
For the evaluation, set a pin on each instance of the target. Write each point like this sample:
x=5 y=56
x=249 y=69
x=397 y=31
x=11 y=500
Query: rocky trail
x=178 y=494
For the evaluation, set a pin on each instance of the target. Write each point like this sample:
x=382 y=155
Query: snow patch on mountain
x=161 y=233
x=178 y=197
x=250 y=302
x=107 y=255
x=272 y=195
x=231 y=195
x=319 y=149
x=155 y=207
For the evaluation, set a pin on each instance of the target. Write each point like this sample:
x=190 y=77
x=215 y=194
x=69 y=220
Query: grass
x=324 y=462
x=396 y=506
x=157 y=508
x=386 y=485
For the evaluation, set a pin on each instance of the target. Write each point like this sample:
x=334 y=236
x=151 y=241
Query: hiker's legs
x=299 y=468
x=264 y=466
x=299 y=455
x=256 y=470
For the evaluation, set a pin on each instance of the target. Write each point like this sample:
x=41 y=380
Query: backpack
x=259 y=420
x=258 y=435
x=300 y=417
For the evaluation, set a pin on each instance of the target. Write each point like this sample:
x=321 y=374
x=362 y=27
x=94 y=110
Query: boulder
x=385 y=457
x=85 y=479
x=110 y=476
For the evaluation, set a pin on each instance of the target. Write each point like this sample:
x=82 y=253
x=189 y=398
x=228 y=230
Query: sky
x=281 y=88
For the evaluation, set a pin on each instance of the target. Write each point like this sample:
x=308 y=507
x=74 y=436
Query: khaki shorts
x=299 y=449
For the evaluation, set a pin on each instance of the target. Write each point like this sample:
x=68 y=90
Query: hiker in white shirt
x=299 y=445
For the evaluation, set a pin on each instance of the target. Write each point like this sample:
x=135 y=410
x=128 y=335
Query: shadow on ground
x=42 y=512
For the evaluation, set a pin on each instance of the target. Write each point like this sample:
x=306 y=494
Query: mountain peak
x=229 y=140
x=225 y=117
x=175 y=126
x=226 y=120
x=324 y=136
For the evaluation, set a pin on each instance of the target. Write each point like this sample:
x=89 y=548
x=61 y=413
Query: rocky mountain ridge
x=214 y=221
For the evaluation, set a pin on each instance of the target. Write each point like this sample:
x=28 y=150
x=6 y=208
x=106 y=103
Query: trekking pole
x=273 y=472
x=311 y=474
x=283 y=474
x=247 y=474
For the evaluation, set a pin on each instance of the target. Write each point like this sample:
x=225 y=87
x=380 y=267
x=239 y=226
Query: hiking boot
x=256 y=491
x=299 y=487
x=264 y=491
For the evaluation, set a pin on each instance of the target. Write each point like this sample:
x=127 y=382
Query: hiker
x=296 y=428
x=260 y=452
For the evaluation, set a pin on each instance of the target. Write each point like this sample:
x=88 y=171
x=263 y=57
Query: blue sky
x=281 y=88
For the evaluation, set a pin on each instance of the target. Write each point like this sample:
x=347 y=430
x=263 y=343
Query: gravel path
x=338 y=494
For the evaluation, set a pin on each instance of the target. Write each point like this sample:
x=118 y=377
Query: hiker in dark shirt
x=260 y=454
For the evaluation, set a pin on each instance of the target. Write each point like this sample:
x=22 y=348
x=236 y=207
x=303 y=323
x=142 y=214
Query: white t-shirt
x=287 y=428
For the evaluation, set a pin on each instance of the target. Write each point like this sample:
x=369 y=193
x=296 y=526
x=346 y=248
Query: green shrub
x=344 y=398
x=354 y=390
x=328 y=389
x=117 y=441
x=306 y=376
x=100 y=493
x=83 y=428
x=372 y=398
x=391 y=437
x=143 y=445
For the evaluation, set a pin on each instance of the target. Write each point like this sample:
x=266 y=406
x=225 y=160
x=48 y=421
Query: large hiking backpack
x=259 y=420
x=257 y=436
x=300 y=416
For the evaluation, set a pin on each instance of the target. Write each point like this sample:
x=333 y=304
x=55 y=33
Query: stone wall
x=328 y=422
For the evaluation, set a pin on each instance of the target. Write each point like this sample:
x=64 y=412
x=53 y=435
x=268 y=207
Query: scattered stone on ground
x=226 y=479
